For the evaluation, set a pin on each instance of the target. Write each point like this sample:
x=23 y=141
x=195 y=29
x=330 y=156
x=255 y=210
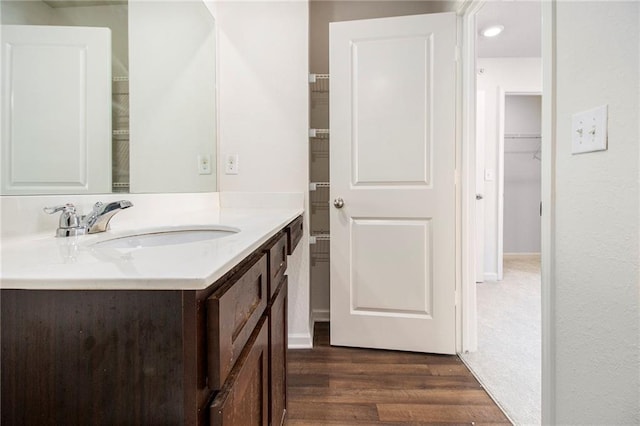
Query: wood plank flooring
x=349 y=386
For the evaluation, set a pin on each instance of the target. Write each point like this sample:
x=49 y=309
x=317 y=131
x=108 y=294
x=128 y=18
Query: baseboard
x=521 y=254
x=320 y=315
x=490 y=276
x=300 y=341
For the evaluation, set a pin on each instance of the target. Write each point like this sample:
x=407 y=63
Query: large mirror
x=109 y=95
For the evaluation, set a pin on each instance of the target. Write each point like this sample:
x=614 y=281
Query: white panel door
x=56 y=110
x=392 y=111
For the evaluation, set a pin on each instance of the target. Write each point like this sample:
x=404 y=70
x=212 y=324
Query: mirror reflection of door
x=56 y=110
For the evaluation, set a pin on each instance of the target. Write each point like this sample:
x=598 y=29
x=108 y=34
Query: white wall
x=36 y=12
x=597 y=377
x=263 y=112
x=111 y=16
x=19 y=12
x=510 y=75
x=172 y=82
x=522 y=191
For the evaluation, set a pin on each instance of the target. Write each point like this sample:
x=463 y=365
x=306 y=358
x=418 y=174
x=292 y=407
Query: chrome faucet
x=97 y=221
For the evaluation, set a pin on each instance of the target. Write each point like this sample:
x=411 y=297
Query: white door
x=392 y=115
x=56 y=110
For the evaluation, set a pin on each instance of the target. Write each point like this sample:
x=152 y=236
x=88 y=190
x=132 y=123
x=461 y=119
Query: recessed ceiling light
x=492 y=31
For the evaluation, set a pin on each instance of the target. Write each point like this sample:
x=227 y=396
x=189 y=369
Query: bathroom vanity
x=170 y=348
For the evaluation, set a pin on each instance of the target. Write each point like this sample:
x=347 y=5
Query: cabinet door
x=278 y=356
x=277 y=254
x=243 y=400
x=232 y=314
x=294 y=233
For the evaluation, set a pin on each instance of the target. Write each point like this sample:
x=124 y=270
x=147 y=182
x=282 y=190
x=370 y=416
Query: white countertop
x=41 y=261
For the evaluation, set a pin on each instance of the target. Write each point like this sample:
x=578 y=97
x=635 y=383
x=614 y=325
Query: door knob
x=338 y=203
x=479 y=197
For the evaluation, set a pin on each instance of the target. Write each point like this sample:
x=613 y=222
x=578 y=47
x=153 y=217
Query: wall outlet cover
x=231 y=166
x=204 y=164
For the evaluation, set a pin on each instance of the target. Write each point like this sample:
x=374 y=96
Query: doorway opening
x=509 y=323
x=508 y=224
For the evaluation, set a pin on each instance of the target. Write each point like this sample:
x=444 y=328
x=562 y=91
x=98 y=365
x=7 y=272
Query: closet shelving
x=120 y=134
x=530 y=136
x=319 y=187
x=522 y=136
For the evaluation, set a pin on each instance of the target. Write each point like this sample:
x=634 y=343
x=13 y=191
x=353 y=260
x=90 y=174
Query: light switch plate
x=589 y=130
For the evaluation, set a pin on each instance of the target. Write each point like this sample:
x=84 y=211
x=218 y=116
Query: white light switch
x=589 y=130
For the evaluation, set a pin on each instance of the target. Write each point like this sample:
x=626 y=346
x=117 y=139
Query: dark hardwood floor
x=349 y=386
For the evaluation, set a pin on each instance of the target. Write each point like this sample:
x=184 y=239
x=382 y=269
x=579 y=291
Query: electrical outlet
x=231 y=166
x=204 y=164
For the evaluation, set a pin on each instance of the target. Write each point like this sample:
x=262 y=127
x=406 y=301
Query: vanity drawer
x=294 y=234
x=244 y=399
x=232 y=314
x=277 y=255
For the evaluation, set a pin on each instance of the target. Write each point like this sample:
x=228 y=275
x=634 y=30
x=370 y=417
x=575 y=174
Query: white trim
x=500 y=178
x=487 y=390
x=320 y=315
x=490 y=276
x=300 y=341
x=467 y=321
x=548 y=211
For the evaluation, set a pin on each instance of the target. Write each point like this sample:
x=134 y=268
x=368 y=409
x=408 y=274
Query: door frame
x=466 y=317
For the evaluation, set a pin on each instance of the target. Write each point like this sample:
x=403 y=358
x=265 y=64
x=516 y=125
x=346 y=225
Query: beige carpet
x=508 y=359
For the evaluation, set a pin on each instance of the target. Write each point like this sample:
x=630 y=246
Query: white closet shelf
x=313 y=239
x=314 y=133
x=313 y=186
x=522 y=136
x=315 y=77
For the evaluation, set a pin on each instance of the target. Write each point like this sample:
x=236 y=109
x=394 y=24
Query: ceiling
x=522 y=29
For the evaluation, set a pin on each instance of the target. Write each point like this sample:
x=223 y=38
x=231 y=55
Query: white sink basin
x=166 y=236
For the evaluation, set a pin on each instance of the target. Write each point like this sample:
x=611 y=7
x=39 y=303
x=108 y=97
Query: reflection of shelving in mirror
x=120 y=131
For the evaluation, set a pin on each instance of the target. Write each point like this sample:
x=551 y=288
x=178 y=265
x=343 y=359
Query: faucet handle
x=97 y=206
x=67 y=208
x=69 y=223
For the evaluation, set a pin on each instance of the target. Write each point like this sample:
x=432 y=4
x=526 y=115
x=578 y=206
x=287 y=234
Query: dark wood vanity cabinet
x=181 y=357
x=244 y=398
x=278 y=355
